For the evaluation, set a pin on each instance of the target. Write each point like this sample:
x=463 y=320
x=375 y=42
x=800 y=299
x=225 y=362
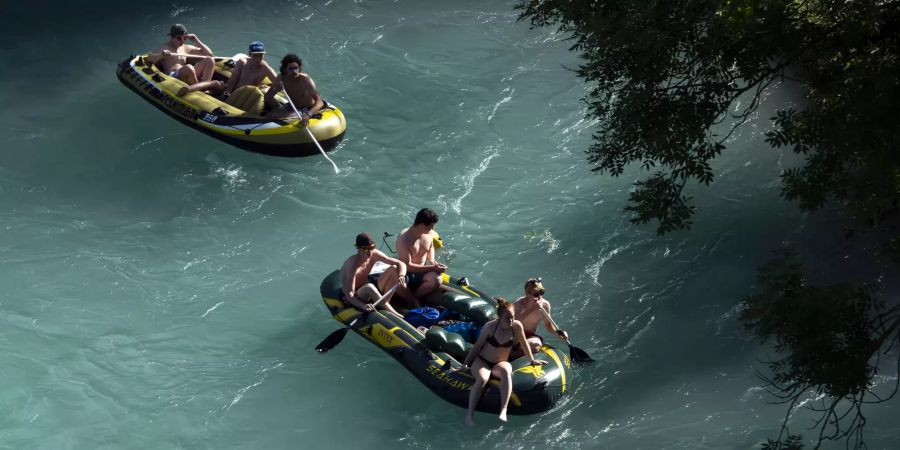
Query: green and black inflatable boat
x=432 y=356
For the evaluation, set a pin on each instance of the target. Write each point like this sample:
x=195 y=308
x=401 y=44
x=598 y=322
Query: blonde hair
x=533 y=282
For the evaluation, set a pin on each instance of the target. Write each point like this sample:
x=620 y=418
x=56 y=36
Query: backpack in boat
x=468 y=330
x=422 y=317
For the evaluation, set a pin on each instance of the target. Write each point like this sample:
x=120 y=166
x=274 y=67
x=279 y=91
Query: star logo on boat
x=537 y=371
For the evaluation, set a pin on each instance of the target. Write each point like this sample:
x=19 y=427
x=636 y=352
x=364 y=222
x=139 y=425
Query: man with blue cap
x=248 y=71
x=251 y=71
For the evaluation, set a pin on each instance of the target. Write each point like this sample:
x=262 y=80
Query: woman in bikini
x=490 y=354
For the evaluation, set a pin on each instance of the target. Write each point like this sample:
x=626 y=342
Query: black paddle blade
x=578 y=355
x=332 y=340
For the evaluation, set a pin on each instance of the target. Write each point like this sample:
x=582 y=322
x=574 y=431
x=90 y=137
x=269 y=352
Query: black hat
x=363 y=240
x=178 y=30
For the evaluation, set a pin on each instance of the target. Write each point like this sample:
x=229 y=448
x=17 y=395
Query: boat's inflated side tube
x=475 y=309
x=433 y=356
x=441 y=340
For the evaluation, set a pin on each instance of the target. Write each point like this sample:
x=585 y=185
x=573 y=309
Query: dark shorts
x=537 y=336
x=287 y=111
x=413 y=279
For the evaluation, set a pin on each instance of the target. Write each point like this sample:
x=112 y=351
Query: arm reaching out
x=551 y=325
x=271 y=103
x=401 y=266
x=523 y=343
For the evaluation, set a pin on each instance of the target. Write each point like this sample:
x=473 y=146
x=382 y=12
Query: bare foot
x=503 y=415
x=182 y=91
x=469 y=420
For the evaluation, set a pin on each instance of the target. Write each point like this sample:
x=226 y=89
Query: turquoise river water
x=160 y=288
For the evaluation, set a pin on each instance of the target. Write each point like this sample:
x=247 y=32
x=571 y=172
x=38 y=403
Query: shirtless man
x=528 y=312
x=177 y=66
x=299 y=86
x=247 y=72
x=415 y=247
x=358 y=289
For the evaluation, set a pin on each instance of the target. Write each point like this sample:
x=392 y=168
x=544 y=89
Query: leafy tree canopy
x=663 y=73
x=829 y=340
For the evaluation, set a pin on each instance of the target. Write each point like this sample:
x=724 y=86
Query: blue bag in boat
x=422 y=317
x=468 y=330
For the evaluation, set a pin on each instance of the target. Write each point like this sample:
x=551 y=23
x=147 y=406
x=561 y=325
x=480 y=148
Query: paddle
x=188 y=55
x=578 y=355
x=337 y=336
x=307 y=130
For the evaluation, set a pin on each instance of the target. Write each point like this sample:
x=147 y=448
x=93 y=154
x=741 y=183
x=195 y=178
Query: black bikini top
x=493 y=341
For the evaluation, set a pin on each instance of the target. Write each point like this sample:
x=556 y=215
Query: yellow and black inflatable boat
x=432 y=356
x=238 y=121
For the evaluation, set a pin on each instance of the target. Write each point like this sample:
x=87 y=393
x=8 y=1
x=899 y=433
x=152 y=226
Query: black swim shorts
x=414 y=280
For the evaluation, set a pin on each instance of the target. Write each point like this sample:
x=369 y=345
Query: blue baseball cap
x=257 y=47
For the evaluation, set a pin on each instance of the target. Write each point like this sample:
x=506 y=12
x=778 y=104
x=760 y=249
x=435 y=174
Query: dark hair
x=502 y=304
x=426 y=216
x=178 y=30
x=363 y=240
x=290 y=58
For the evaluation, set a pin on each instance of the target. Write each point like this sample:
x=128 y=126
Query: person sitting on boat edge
x=358 y=290
x=177 y=66
x=490 y=356
x=299 y=86
x=415 y=247
x=528 y=311
x=248 y=71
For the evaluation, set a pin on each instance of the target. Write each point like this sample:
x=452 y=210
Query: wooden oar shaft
x=376 y=303
x=548 y=318
x=188 y=55
x=308 y=132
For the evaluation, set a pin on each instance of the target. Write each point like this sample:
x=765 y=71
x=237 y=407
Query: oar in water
x=578 y=355
x=299 y=116
x=337 y=336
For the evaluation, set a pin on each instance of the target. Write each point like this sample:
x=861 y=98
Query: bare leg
x=481 y=373
x=503 y=371
x=213 y=87
x=389 y=279
x=369 y=294
x=387 y=307
x=204 y=68
x=430 y=289
x=535 y=343
x=408 y=297
x=187 y=74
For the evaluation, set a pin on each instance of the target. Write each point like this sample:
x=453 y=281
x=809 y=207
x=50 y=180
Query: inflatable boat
x=433 y=355
x=237 y=121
